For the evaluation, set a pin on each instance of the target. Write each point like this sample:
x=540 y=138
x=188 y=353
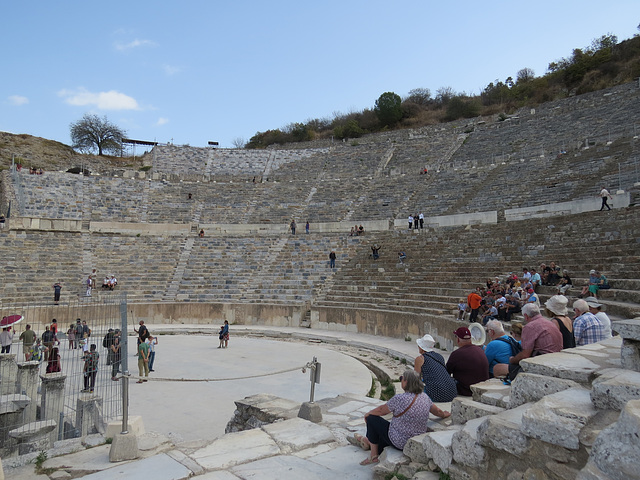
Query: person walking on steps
x=605 y=195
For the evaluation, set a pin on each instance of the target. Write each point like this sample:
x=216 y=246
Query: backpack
x=516 y=348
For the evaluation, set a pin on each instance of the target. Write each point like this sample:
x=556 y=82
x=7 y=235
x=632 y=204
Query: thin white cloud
x=135 y=44
x=111 y=100
x=162 y=121
x=17 y=100
x=171 y=69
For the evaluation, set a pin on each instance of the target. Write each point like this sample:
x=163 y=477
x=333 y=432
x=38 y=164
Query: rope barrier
x=160 y=379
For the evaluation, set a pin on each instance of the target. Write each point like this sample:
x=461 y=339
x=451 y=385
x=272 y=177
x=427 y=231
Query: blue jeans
x=332 y=263
x=152 y=356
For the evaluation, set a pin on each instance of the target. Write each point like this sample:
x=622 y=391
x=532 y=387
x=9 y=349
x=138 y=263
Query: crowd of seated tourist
x=109 y=282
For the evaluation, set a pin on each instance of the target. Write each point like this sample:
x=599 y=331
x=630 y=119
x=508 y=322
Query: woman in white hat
x=438 y=384
x=557 y=309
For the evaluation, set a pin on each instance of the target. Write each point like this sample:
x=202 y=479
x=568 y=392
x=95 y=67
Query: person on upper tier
x=564 y=284
x=467 y=364
x=557 y=309
x=539 y=336
x=473 y=302
x=438 y=384
x=587 y=328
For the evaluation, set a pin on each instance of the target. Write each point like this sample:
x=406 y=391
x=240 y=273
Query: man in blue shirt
x=497 y=351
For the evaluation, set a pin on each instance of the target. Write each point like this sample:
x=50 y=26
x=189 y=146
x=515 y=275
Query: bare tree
x=92 y=133
x=239 y=142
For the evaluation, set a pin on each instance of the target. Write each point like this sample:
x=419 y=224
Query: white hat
x=426 y=343
x=591 y=272
x=557 y=304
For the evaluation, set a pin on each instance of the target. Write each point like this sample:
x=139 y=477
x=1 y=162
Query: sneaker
x=151 y=370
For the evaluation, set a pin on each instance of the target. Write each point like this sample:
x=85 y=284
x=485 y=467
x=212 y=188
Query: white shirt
x=606 y=323
x=6 y=338
x=604 y=193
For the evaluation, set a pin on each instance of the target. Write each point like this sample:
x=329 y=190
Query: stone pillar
x=8 y=373
x=629 y=330
x=88 y=418
x=28 y=385
x=52 y=400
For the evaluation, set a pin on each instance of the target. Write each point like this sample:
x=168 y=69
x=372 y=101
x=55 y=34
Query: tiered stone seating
x=51 y=195
x=32 y=262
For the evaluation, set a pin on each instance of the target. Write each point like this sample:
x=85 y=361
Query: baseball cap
x=463 y=333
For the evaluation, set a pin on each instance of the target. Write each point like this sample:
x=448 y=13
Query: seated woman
x=360 y=230
x=438 y=384
x=410 y=416
x=591 y=286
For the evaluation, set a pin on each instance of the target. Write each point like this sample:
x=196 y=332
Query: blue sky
x=195 y=71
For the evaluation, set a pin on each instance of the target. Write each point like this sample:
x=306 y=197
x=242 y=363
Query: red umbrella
x=11 y=320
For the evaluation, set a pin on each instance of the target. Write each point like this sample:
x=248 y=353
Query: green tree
x=389 y=108
x=92 y=133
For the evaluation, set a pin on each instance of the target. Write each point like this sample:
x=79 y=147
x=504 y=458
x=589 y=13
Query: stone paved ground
x=184 y=421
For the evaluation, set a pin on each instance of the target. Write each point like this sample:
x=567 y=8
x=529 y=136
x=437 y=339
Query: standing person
x=143 y=361
x=306 y=227
x=88 y=282
x=57 y=288
x=225 y=334
x=114 y=353
x=153 y=341
x=332 y=259
x=79 y=332
x=71 y=336
x=143 y=332
x=6 y=338
x=467 y=364
x=375 y=251
x=438 y=384
x=421 y=218
x=415 y=221
x=54 y=330
x=28 y=338
x=473 y=303
x=47 y=341
x=94 y=274
x=605 y=195
x=292 y=226
x=53 y=364
x=86 y=331
x=410 y=219
x=90 y=369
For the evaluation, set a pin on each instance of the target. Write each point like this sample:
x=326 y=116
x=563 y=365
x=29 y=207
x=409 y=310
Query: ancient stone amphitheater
x=498 y=195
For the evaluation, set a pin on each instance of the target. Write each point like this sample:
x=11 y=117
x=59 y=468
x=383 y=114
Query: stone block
x=297 y=434
x=124 y=447
x=561 y=365
x=134 y=425
x=414 y=449
x=531 y=387
x=464 y=409
x=465 y=446
x=558 y=418
x=627 y=329
x=34 y=436
x=614 y=388
x=592 y=472
x=503 y=431
x=437 y=445
x=616 y=451
x=492 y=392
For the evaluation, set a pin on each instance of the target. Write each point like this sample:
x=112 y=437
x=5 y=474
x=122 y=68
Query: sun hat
x=426 y=343
x=591 y=272
x=557 y=304
x=593 y=302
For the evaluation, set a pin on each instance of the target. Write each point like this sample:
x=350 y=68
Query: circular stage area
x=187 y=410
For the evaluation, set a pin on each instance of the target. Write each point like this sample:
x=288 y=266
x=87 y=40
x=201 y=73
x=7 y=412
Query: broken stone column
x=629 y=330
x=8 y=373
x=53 y=400
x=88 y=417
x=28 y=385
